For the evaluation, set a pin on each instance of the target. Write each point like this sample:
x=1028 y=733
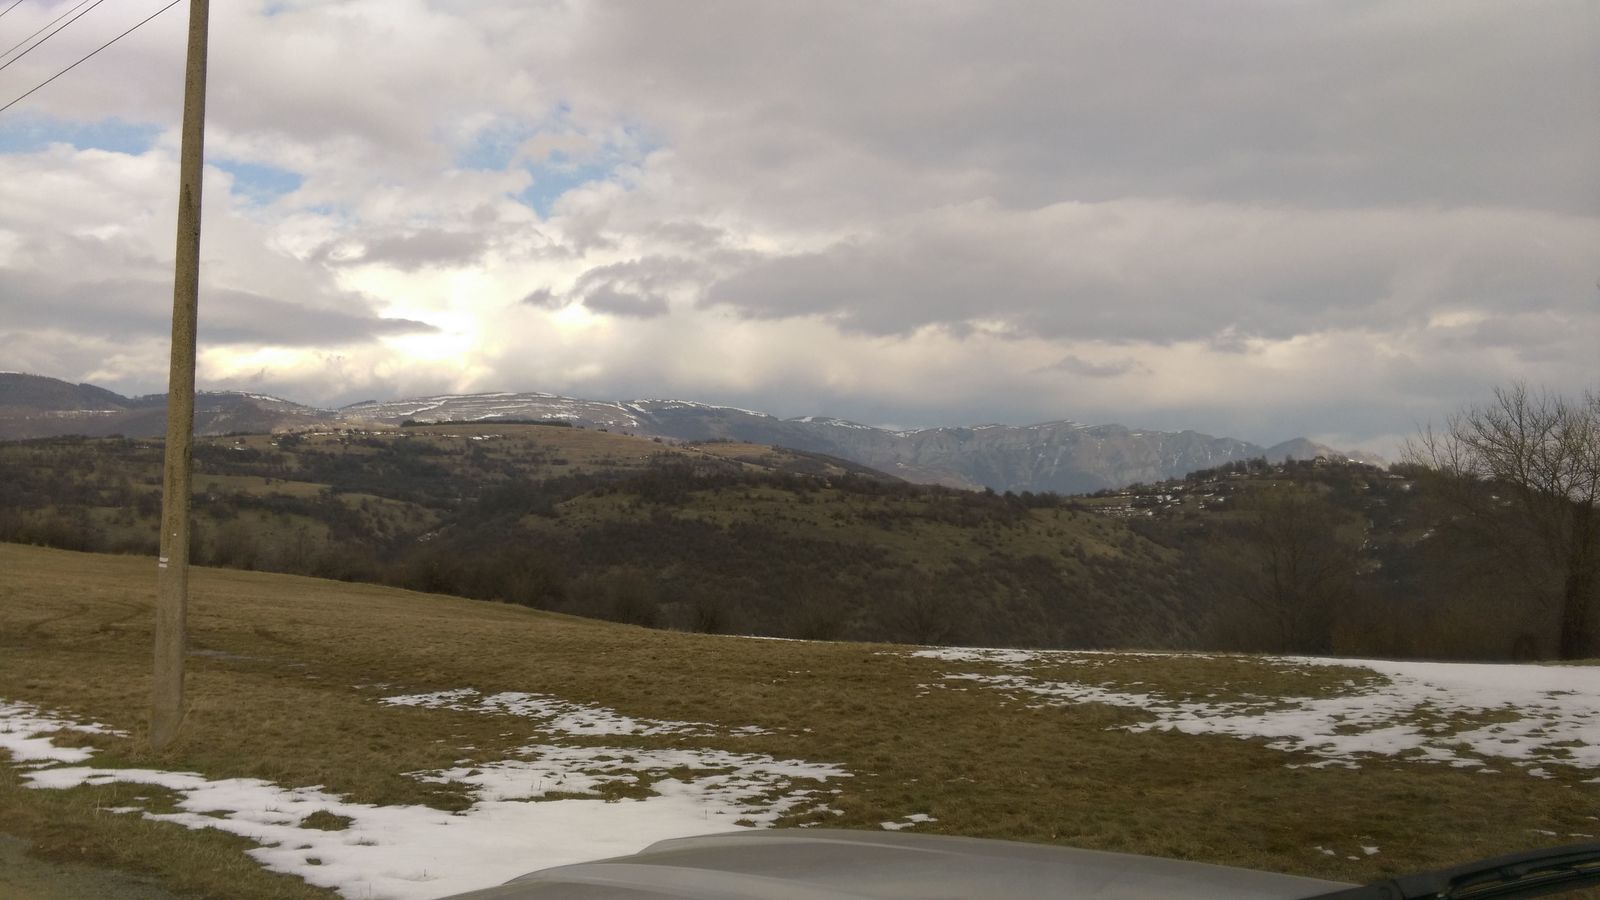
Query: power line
x=10 y=8
x=91 y=53
x=50 y=35
x=81 y=4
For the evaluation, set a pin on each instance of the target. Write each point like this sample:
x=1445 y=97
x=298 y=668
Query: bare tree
x=1530 y=462
x=1299 y=555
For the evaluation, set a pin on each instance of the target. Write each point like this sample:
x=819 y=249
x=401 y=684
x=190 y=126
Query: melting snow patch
x=1451 y=713
x=1008 y=656
x=25 y=730
x=542 y=809
x=561 y=715
x=419 y=852
x=907 y=822
x=978 y=654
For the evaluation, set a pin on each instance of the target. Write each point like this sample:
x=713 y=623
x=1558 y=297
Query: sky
x=1256 y=219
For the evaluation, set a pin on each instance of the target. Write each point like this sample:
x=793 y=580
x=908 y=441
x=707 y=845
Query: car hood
x=826 y=864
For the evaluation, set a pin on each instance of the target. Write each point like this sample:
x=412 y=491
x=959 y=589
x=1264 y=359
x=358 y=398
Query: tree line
x=1483 y=543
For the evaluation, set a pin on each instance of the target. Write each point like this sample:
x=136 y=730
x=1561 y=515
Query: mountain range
x=1063 y=456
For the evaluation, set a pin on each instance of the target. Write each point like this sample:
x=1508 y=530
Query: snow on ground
x=561 y=715
x=1461 y=714
x=25 y=733
x=525 y=816
x=908 y=822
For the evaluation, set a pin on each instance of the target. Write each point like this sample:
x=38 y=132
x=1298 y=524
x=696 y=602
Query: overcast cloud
x=1261 y=219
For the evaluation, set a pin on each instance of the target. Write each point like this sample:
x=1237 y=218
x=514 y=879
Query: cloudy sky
x=1260 y=219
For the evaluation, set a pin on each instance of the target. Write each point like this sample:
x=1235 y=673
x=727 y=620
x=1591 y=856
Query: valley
x=732 y=537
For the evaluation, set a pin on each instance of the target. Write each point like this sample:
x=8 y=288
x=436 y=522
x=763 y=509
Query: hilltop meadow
x=354 y=709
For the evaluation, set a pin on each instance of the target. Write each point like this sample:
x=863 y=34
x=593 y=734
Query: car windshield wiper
x=1533 y=873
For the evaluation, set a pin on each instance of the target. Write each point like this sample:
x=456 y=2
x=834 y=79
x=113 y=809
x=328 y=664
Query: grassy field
x=287 y=674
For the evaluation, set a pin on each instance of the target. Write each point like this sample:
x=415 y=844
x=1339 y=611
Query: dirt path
x=22 y=877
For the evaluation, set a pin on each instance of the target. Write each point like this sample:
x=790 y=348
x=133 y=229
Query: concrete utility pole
x=172 y=600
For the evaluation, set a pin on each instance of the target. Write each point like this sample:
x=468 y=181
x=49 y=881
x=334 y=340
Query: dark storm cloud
x=413 y=250
x=1162 y=272
x=692 y=235
x=624 y=303
x=1077 y=365
x=137 y=309
x=647 y=274
x=635 y=288
x=240 y=317
x=1330 y=105
x=543 y=298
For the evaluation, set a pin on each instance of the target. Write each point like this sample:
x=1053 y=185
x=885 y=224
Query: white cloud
x=1268 y=220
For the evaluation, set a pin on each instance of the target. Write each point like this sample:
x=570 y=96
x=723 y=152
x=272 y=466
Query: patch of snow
x=406 y=852
x=909 y=821
x=1552 y=713
x=1015 y=657
x=691 y=404
x=558 y=770
x=978 y=654
x=561 y=715
x=25 y=731
x=416 y=852
x=832 y=422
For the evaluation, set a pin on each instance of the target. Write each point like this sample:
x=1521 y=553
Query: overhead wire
x=7 y=52
x=35 y=46
x=90 y=54
x=10 y=8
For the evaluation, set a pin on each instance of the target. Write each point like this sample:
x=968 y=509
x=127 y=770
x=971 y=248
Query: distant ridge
x=34 y=406
x=1061 y=456
x=22 y=391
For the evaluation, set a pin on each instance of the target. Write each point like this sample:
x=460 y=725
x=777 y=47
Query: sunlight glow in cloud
x=958 y=213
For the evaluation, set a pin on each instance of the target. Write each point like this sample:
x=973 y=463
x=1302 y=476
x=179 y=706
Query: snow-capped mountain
x=481 y=407
x=1064 y=456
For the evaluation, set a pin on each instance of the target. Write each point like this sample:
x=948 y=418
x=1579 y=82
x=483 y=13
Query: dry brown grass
x=1210 y=678
x=287 y=672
